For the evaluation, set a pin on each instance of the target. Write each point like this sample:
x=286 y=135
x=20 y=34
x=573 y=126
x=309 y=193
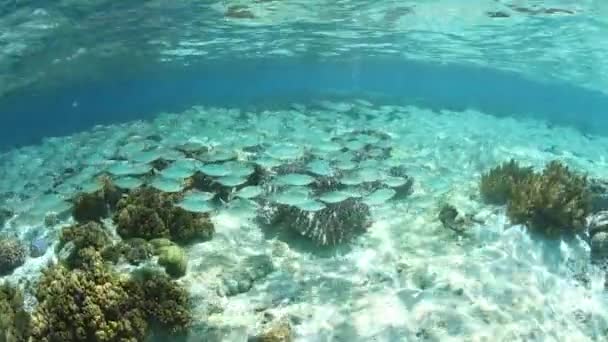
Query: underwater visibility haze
x=289 y=170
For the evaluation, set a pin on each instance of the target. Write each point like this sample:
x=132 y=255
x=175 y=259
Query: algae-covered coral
x=148 y=213
x=552 y=201
x=12 y=254
x=497 y=185
x=165 y=303
x=80 y=238
x=174 y=260
x=86 y=305
x=14 y=320
x=97 y=304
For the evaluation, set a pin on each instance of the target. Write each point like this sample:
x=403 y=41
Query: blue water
x=29 y=115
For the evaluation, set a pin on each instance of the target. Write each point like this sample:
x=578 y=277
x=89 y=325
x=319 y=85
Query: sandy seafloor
x=407 y=278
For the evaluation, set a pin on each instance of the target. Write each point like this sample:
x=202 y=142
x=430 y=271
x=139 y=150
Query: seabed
x=405 y=277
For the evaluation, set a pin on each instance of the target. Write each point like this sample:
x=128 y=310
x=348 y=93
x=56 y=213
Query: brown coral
x=497 y=184
x=86 y=305
x=148 y=213
x=551 y=202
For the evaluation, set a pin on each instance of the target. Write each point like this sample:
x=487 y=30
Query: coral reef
x=165 y=303
x=134 y=251
x=497 y=184
x=335 y=224
x=86 y=305
x=96 y=304
x=551 y=202
x=95 y=206
x=12 y=254
x=14 y=320
x=90 y=207
x=174 y=260
x=75 y=239
x=148 y=214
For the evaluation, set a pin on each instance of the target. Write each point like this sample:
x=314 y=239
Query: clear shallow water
x=458 y=87
x=407 y=278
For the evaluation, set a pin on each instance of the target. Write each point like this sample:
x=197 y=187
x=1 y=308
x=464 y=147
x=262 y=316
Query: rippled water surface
x=544 y=39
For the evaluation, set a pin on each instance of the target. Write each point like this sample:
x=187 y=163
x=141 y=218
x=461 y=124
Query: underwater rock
x=598 y=231
x=598 y=190
x=242 y=278
x=335 y=224
x=38 y=247
x=599 y=246
x=277 y=331
x=5 y=214
x=12 y=254
x=597 y=222
x=452 y=219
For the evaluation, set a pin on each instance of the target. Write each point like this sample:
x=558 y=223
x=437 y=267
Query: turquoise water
x=300 y=157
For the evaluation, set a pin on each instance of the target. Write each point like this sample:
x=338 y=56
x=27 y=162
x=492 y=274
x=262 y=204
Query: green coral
x=174 y=260
x=166 y=304
x=12 y=254
x=86 y=305
x=148 y=213
x=497 y=185
x=14 y=320
x=137 y=251
x=552 y=201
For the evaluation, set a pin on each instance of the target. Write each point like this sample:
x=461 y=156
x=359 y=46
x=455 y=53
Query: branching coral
x=497 y=185
x=552 y=201
x=12 y=254
x=14 y=320
x=335 y=224
x=148 y=213
x=549 y=202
